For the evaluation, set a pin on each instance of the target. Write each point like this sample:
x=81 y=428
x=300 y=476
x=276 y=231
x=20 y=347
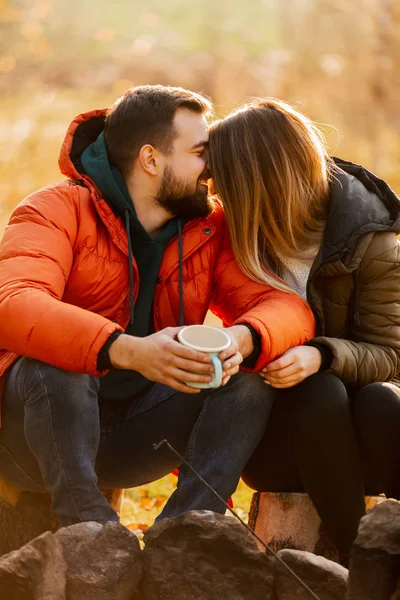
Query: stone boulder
x=201 y=554
x=36 y=571
x=290 y=520
x=23 y=517
x=104 y=562
x=326 y=578
x=375 y=556
x=26 y=515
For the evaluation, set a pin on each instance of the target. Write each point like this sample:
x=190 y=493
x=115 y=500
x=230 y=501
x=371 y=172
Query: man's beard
x=178 y=197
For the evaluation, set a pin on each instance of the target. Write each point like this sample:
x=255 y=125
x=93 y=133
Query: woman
x=324 y=229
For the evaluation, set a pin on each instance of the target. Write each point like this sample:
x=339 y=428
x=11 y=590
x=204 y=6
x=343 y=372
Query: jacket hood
x=83 y=131
x=95 y=163
x=360 y=203
x=84 y=158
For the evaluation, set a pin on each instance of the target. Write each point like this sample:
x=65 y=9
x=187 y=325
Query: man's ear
x=150 y=159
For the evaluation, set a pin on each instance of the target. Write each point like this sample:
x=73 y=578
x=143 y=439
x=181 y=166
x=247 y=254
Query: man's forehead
x=191 y=127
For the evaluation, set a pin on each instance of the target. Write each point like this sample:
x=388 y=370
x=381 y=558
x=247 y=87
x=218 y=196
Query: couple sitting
x=296 y=252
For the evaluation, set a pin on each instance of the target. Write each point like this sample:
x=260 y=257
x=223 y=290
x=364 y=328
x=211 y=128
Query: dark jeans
x=311 y=445
x=57 y=435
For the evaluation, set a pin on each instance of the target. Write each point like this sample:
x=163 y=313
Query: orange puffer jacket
x=64 y=278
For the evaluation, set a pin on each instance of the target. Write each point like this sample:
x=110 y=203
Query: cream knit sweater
x=295 y=271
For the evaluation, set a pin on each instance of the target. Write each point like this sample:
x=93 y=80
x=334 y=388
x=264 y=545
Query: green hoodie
x=147 y=252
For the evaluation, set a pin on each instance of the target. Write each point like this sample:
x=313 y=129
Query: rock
x=289 y=520
x=36 y=571
x=23 y=517
x=375 y=556
x=326 y=578
x=201 y=554
x=104 y=562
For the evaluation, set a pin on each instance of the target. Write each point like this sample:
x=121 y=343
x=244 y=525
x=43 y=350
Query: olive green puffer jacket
x=354 y=283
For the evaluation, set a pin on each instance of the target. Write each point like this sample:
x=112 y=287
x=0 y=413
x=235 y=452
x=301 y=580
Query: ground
x=142 y=504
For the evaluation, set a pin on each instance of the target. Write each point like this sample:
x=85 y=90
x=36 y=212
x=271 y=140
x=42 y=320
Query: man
x=96 y=275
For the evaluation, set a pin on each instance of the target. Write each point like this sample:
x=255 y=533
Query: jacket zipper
x=356 y=293
x=205 y=239
x=316 y=312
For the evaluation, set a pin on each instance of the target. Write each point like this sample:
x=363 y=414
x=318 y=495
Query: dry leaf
x=137 y=526
x=146 y=502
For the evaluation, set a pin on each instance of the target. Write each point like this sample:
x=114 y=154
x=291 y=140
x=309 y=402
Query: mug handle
x=217 y=379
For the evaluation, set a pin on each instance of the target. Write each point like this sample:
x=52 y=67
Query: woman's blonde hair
x=271 y=171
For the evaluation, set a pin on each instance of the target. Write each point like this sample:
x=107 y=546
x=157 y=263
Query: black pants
x=334 y=447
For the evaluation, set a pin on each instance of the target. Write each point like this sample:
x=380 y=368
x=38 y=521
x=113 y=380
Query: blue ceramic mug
x=208 y=339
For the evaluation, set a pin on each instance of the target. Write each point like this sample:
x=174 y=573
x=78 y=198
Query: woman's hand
x=295 y=365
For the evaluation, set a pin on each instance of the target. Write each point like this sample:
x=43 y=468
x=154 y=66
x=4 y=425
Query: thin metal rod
x=266 y=546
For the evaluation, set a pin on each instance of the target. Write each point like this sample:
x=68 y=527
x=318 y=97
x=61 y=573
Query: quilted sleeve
x=36 y=256
x=373 y=353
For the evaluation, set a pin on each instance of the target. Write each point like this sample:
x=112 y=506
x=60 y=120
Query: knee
x=375 y=404
x=251 y=385
x=250 y=394
x=323 y=386
x=41 y=379
x=322 y=399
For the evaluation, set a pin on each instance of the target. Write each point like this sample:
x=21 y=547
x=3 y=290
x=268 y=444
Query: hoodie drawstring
x=130 y=260
x=180 y=244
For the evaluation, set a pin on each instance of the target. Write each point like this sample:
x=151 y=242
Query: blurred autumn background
x=338 y=61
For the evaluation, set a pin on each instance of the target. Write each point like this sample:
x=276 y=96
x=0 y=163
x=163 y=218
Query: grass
x=142 y=504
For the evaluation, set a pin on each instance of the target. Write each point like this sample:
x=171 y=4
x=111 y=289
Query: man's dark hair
x=144 y=115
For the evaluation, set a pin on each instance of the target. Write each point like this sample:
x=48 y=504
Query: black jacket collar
x=359 y=202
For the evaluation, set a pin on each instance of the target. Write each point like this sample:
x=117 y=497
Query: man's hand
x=232 y=357
x=161 y=358
x=295 y=365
